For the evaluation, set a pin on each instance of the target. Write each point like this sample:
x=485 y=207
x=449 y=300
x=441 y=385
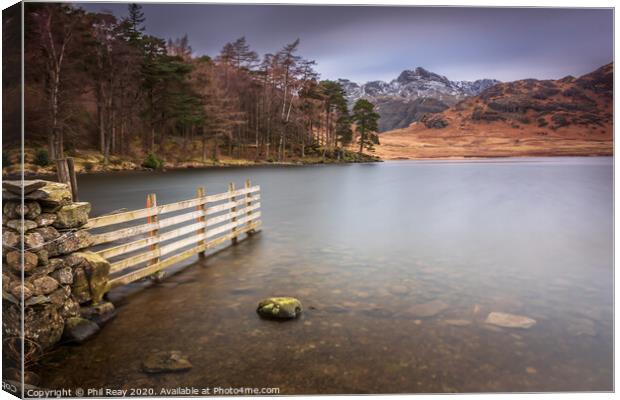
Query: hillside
x=569 y=116
x=411 y=95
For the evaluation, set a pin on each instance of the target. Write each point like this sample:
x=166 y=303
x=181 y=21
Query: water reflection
x=397 y=265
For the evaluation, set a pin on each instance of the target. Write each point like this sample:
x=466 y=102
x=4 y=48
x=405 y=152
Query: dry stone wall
x=64 y=283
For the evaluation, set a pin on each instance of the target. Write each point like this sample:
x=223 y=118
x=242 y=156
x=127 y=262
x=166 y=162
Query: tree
x=103 y=82
x=243 y=57
x=180 y=48
x=366 y=120
x=135 y=22
x=57 y=29
x=335 y=109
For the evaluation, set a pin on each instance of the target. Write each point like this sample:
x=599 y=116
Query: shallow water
x=362 y=246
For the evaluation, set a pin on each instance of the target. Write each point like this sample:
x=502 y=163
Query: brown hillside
x=569 y=116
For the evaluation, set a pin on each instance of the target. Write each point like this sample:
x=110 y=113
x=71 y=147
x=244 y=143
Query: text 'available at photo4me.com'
x=148 y=392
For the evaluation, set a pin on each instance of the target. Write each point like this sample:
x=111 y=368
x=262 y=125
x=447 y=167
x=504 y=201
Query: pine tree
x=366 y=119
x=135 y=22
x=335 y=103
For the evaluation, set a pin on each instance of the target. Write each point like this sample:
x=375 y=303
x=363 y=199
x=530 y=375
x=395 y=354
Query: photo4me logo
x=244 y=391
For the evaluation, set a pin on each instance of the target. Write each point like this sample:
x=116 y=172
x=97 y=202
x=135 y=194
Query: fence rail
x=138 y=251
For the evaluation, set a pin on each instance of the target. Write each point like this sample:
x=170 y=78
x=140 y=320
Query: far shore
x=50 y=172
x=88 y=166
x=493 y=157
x=32 y=171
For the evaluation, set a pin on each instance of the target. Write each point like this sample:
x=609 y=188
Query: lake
x=397 y=265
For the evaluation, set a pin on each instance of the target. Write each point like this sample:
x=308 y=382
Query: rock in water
x=99 y=313
x=166 y=361
x=279 y=308
x=426 y=310
x=581 y=327
x=399 y=289
x=457 y=322
x=506 y=320
x=79 y=329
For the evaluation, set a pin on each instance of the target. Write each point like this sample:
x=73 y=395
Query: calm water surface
x=362 y=246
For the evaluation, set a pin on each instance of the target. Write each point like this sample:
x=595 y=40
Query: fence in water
x=142 y=242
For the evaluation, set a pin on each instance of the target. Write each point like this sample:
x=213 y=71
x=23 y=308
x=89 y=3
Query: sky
x=365 y=43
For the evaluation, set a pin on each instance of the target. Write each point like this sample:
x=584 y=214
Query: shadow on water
x=397 y=265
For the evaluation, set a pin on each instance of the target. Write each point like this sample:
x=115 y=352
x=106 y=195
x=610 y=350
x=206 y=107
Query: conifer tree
x=366 y=120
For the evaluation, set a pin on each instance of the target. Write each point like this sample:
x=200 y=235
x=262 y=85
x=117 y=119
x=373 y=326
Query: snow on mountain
x=412 y=84
x=408 y=87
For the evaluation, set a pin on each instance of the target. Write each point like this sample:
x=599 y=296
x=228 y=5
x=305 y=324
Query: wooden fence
x=136 y=250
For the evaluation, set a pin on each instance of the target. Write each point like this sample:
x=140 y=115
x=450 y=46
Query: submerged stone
x=426 y=310
x=99 y=313
x=581 y=327
x=457 y=322
x=506 y=320
x=399 y=289
x=79 y=329
x=279 y=308
x=166 y=361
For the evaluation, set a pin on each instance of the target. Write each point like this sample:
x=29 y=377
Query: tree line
x=98 y=81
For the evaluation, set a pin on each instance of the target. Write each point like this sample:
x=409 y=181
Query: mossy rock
x=80 y=288
x=279 y=308
x=91 y=282
x=53 y=194
x=72 y=215
x=166 y=361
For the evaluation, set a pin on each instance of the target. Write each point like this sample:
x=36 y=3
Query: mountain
x=569 y=116
x=411 y=95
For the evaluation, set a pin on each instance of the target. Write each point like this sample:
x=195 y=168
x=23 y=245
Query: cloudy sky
x=364 y=43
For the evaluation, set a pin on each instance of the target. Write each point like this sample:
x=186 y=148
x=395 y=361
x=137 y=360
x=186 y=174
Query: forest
x=93 y=81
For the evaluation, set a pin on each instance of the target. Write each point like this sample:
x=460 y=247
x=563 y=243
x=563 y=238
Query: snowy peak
x=420 y=74
x=402 y=100
x=415 y=83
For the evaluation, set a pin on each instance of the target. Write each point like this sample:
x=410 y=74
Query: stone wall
x=63 y=284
